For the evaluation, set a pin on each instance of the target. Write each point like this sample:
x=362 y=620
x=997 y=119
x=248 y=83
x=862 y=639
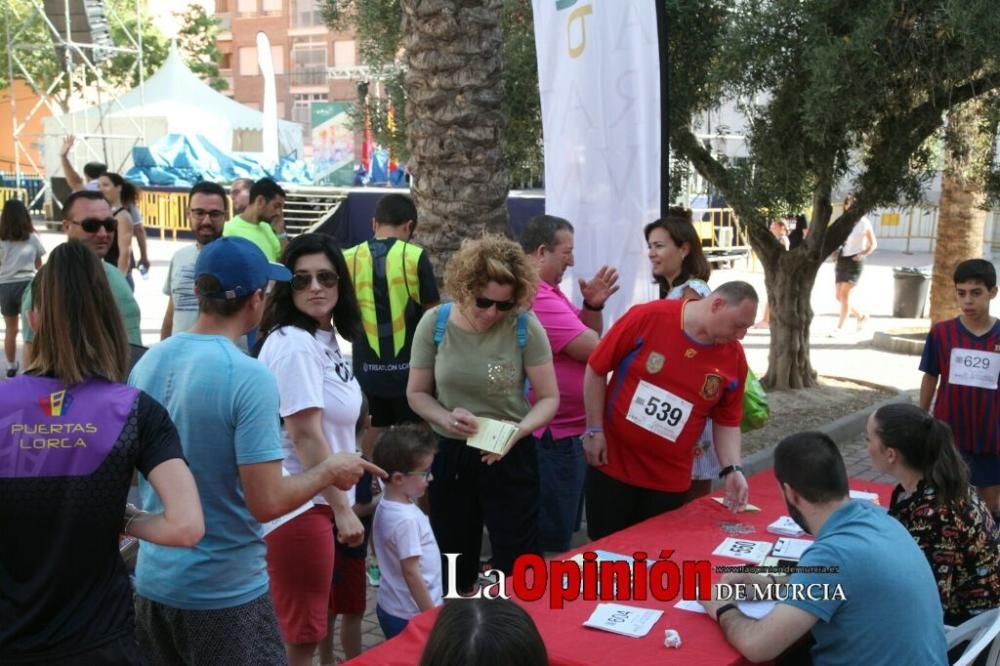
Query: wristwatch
x=592 y=308
x=725 y=471
x=722 y=610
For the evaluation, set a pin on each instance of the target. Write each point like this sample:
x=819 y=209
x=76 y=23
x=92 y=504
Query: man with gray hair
x=676 y=363
x=573 y=334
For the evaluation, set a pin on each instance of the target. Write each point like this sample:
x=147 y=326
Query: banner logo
x=56 y=404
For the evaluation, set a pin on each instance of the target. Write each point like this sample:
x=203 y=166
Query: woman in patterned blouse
x=938 y=506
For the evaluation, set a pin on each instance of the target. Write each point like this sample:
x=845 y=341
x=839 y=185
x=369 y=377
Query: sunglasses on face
x=426 y=473
x=214 y=215
x=484 y=303
x=302 y=281
x=91 y=225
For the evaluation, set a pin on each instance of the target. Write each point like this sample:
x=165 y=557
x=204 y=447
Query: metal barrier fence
x=7 y=193
x=166 y=211
x=29 y=186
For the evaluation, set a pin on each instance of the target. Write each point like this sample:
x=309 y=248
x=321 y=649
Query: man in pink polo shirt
x=573 y=333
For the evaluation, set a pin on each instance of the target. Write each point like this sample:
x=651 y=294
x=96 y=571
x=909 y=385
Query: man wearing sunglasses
x=207 y=215
x=261 y=222
x=87 y=218
x=573 y=334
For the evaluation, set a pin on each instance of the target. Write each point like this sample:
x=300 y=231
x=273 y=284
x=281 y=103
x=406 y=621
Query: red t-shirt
x=649 y=345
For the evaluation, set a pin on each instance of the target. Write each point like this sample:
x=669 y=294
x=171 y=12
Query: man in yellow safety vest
x=395 y=284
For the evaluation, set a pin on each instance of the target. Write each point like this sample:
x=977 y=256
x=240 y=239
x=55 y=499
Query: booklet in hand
x=493 y=436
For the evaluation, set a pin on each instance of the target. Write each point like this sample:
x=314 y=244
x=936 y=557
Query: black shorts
x=387 y=412
x=10 y=297
x=848 y=270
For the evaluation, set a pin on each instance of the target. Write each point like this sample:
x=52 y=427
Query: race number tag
x=743 y=549
x=974 y=367
x=658 y=411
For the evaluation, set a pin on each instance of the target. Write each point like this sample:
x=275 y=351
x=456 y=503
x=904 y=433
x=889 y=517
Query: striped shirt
x=973 y=413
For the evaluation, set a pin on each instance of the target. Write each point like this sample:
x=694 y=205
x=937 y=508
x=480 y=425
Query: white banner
x=598 y=74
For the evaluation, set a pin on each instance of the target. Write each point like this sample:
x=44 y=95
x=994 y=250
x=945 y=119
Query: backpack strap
x=522 y=330
x=444 y=310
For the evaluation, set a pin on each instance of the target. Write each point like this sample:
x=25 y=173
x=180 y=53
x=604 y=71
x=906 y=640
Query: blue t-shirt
x=892 y=612
x=225 y=407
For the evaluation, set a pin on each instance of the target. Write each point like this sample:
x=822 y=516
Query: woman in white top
x=850 y=262
x=319 y=401
x=20 y=256
x=682 y=271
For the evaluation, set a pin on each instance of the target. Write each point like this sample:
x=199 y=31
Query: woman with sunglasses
x=73 y=436
x=470 y=359
x=319 y=402
x=123 y=196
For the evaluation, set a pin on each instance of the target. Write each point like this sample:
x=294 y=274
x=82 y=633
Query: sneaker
x=12 y=369
x=374 y=575
x=862 y=320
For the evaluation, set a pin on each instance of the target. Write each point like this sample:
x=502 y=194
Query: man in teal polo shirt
x=87 y=218
x=261 y=221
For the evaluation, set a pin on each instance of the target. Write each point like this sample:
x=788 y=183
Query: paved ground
x=851 y=356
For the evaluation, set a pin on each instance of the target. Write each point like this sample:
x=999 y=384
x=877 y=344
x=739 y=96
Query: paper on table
x=754 y=609
x=747 y=508
x=625 y=620
x=743 y=549
x=785 y=526
x=864 y=495
x=493 y=436
x=790 y=549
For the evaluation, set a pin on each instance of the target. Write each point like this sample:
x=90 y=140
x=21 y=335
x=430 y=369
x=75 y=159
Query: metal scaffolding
x=77 y=33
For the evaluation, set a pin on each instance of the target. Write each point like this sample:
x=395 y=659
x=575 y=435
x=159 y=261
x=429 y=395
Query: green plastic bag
x=756 y=411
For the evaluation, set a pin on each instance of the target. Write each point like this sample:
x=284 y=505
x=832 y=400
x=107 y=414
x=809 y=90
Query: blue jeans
x=562 y=469
x=391 y=625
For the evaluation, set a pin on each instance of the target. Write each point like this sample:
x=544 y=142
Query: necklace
x=468 y=321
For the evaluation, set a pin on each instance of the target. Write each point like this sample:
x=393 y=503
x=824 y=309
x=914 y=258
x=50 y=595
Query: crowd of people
x=270 y=460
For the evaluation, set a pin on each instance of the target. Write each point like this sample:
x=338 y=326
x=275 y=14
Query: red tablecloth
x=692 y=532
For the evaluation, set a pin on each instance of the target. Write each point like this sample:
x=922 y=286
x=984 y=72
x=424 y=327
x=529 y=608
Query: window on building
x=248 y=61
x=302 y=108
x=309 y=63
x=271 y=6
x=343 y=53
x=246 y=7
x=305 y=14
x=227 y=61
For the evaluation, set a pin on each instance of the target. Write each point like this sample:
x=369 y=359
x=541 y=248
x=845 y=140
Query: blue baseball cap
x=239 y=266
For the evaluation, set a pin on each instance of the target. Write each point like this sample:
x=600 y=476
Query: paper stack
x=790 y=549
x=785 y=526
x=493 y=436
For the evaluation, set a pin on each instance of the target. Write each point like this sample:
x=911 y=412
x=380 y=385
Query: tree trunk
x=961 y=219
x=789 y=281
x=453 y=55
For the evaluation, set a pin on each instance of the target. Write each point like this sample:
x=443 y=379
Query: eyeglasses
x=302 y=281
x=91 y=225
x=214 y=215
x=486 y=303
x=426 y=473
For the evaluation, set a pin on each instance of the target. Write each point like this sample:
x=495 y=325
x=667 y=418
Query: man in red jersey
x=675 y=364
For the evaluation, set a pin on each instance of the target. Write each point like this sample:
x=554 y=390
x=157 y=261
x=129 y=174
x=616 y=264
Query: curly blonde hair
x=491 y=258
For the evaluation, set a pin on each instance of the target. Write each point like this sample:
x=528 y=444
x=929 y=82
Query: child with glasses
x=407 y=551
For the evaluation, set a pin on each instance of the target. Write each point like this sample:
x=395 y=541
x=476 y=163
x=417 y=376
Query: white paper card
x=658 y=411
x=785 y=526
x=754 y=609
x=625 y=620
x=863 y=495
x=271 y=525
x=790 y=549
x=974 y=367
x=742 y=549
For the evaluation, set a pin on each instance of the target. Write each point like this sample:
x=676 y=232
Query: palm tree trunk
x=454 y=66
x=961 y=219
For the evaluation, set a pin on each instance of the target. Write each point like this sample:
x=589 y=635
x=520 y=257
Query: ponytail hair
x=926 y=445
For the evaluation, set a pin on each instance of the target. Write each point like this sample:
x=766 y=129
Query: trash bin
x=910 y=294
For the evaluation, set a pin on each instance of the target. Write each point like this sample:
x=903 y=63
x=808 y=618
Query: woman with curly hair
x=470 y=359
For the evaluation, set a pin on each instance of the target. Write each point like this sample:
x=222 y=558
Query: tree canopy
x=839 y=94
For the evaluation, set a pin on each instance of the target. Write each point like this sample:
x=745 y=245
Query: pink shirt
x=561 y=321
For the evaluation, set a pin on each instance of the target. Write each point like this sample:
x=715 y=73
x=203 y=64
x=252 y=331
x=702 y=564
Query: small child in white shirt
x=405 y=546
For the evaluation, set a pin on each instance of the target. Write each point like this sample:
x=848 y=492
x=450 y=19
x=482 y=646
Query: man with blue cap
x=210 y=604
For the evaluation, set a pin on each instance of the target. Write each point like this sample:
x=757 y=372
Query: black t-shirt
x=385 y=375
x=66 y=462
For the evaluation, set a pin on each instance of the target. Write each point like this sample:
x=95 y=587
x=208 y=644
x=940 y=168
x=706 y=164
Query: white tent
x=172 y=101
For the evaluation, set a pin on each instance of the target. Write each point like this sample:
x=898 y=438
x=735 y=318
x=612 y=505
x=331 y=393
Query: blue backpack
x=442 y=322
